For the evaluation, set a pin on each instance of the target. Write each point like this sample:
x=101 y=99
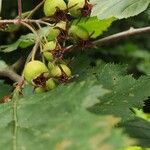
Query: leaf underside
x=118 y=8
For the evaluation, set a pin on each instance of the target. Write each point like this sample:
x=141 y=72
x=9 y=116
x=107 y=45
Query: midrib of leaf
x=15 y=127
x=129 y=6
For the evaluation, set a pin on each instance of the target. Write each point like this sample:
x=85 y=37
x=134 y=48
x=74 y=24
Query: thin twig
x=122 y=35
x=34 y=50
x=16 y=21
x=35 y=9
x=37 y=38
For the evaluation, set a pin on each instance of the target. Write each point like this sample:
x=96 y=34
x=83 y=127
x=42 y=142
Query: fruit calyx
x=40 y=81
x=87 y=9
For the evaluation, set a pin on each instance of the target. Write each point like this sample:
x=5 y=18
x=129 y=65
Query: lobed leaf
x=125 y=91
x=59 y=120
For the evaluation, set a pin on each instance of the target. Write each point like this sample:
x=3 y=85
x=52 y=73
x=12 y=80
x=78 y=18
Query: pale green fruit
x=54 y=31
x=34 y=69
x=49 y=46
x=75 y=7
x=51 y=6
x=39 y=90
x=56 y=71
x=66 y=70
x=50 y=65
x=78 y=32
x=48 y=56
x=50 y=84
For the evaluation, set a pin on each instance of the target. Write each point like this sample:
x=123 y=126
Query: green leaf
x=58 y=120
x=125 y=91
x=118 y=8
x=24 y=41
x=139 y=129
x=4 y=89
x=27 y=90
x=94 y=26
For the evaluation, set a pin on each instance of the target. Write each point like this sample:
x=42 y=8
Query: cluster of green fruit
x=45 y=78
x=76 y=8
x=53 y=70
x=62 y=12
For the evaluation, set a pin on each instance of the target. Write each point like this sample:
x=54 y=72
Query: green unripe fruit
x=55 y=31
x=51 y=6
x=57 y=71
x=66 y=70
x=75 y=7
x=50 y=84
x=48 y=56
x=78 y=32
x=34 y=69
x=50 y=46
x=50 y=65
x=39 y=90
